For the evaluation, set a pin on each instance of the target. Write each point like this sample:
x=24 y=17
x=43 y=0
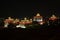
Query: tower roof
x=37 y=14
x=53 y=16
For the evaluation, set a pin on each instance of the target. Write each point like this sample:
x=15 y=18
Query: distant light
x=6 y=25
x=39 y=20
x=20 y=26
x=41 y=23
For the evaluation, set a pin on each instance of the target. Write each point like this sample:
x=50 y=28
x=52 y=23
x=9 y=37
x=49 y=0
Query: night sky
x=28 y=8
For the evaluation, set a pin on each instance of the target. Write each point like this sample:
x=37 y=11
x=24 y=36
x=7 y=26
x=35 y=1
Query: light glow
x=21 y=26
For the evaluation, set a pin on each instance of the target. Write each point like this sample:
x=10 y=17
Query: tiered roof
x=53 y=17
x=38 y=16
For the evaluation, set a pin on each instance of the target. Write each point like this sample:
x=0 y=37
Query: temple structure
x=26 y=21
x=16 y=21
x=53 y=17
x=8 y=21
x=38 y=18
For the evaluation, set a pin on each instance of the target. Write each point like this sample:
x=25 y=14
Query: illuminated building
x=9 y=20
x=16 y=21
x=53 y=17
x=38 y=18
x=26 y=21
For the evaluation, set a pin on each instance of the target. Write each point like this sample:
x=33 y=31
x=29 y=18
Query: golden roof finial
x=38 y=14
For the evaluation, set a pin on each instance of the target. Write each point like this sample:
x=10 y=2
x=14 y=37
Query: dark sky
x=23 y=8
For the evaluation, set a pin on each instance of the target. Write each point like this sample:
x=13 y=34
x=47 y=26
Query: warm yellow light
x=30 y=19
x=25 y=18
x=6 y=25
x=41 y=23
x=9 y=17
x=21 y=26
x=53 y=16
x=38 y=14
x=16 y=20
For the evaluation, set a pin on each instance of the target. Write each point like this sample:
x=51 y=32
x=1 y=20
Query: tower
x=38 y=18
x=53 y=17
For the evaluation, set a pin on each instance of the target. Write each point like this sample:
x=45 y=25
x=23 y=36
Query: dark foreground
x=47 y=33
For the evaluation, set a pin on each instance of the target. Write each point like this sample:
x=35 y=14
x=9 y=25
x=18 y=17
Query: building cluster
x=21 y=23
